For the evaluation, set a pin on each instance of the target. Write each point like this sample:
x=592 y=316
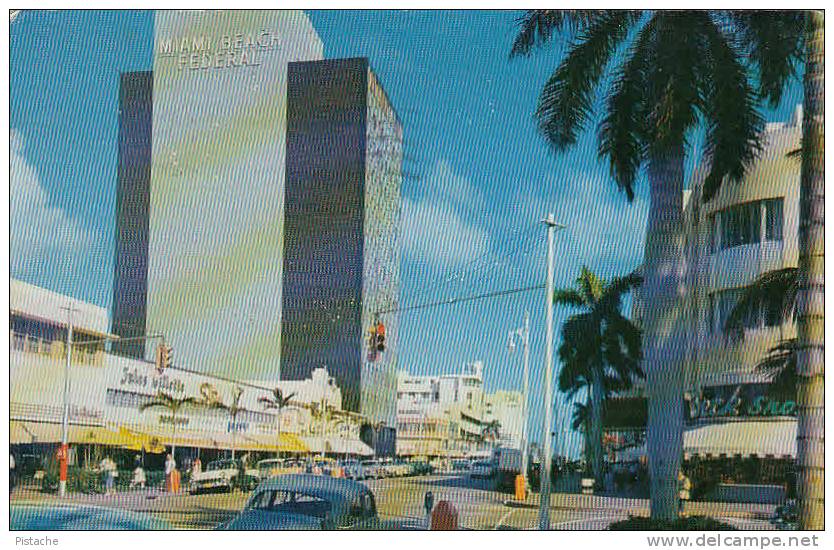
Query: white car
x=482 y=469
x=223 y=475
x=372 y=469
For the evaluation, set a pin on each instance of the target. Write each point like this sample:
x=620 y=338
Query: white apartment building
x=447 y=415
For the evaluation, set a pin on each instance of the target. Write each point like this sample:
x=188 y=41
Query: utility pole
x=524 y=334
x=524 y=411
x=547 y=451
x=63 y=452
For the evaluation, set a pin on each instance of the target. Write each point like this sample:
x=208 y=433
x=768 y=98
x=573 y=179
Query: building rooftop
x=38 y=303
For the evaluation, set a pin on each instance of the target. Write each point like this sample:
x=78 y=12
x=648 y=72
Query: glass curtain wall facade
x=341 y=244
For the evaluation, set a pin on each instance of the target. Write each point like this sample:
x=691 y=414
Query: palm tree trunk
x=597 y=397
x=234 y=435
x=174 y=437
x=662 y=338
x=278 y=448
x=810 y=367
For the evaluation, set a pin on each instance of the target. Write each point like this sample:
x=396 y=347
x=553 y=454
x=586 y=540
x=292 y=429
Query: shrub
x=694 y=523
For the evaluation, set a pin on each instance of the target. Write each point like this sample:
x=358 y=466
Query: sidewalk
x=641 y=507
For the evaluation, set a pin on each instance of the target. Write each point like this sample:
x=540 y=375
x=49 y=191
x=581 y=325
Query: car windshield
x=221 y=465
x=291 y=502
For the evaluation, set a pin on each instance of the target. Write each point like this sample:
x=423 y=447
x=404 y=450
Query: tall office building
x=341 y=239
x=130 y=281
x=200 y=210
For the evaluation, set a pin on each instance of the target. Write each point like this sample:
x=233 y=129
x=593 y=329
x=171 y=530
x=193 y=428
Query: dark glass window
x=773 y=219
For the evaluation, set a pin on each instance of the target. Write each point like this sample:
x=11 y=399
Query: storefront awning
x=289 y=443
x=349 y=446
x=47 y=432
x=338 y=446
x=744 y=438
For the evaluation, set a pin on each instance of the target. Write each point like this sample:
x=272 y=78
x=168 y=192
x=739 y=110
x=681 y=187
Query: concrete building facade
x=200 y=207
x=449 y=415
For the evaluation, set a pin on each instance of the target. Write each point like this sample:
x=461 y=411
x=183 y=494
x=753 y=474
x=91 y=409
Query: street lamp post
x=524 y=334
x=63 y=455
x=544 y=506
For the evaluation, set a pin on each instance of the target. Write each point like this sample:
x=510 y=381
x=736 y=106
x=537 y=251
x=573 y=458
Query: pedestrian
x=170 y=468
x=684 y=488
x=138 y=480
x=12 y=472
x=108 y=471
x=196 y=467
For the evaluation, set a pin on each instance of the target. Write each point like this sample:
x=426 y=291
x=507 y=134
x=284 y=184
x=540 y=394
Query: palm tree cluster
x=277 y=401
x=600 y=352
x=675 y=73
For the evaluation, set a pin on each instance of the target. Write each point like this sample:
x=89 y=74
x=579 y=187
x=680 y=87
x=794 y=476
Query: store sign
x=743 y=400
x=137 y=378
x=200 y=52
x=179 y=420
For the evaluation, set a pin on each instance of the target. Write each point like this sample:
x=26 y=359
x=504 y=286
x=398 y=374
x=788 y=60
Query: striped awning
x=743 y=438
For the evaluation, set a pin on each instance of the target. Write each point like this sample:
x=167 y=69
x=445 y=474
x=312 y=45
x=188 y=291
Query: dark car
x=786 y=515
x=71 y=517
x=307 y=502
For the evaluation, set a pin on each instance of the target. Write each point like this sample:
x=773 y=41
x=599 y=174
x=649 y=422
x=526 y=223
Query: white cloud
x=41 y=233
x=438 y=226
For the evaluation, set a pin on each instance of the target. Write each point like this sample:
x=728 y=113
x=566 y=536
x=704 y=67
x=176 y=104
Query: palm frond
x=622 y=130
x=537 y=26
x=779 y=366
x=567 y=98
x=672 y=95
x=734 y=122
x=772 y=40
x=568 y=297
x=774 y=290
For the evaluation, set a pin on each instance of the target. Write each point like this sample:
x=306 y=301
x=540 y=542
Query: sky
x=478 y=177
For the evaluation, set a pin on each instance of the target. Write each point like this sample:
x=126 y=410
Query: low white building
x=107 y=392
x=450 y=414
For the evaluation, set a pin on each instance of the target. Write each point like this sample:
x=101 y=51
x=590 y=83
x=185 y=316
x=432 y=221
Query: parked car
x=373 y=469
x=276 y=467
x=785 y=516
x=223 y=475
x=482 y=469
x=307 y=502
x=353 y=469
x=402 y=468
x=461 y=465
x=319 y=466
x=421 y=468
x=73 y=517
x=388 y=468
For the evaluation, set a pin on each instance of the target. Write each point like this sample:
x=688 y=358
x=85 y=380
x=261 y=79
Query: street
x=400 y=505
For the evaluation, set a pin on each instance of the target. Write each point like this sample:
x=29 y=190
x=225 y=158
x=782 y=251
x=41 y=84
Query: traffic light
x=380 y=337
x=163 y=357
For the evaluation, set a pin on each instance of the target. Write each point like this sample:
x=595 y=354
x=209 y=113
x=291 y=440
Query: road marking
x=580 y=520
x=504 y=517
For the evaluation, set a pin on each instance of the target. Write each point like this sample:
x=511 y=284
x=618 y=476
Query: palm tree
x=678 y=71
x=600 y=347
x=777 y=42
x=277 y=401
x=233 y=409
x=173 y=405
